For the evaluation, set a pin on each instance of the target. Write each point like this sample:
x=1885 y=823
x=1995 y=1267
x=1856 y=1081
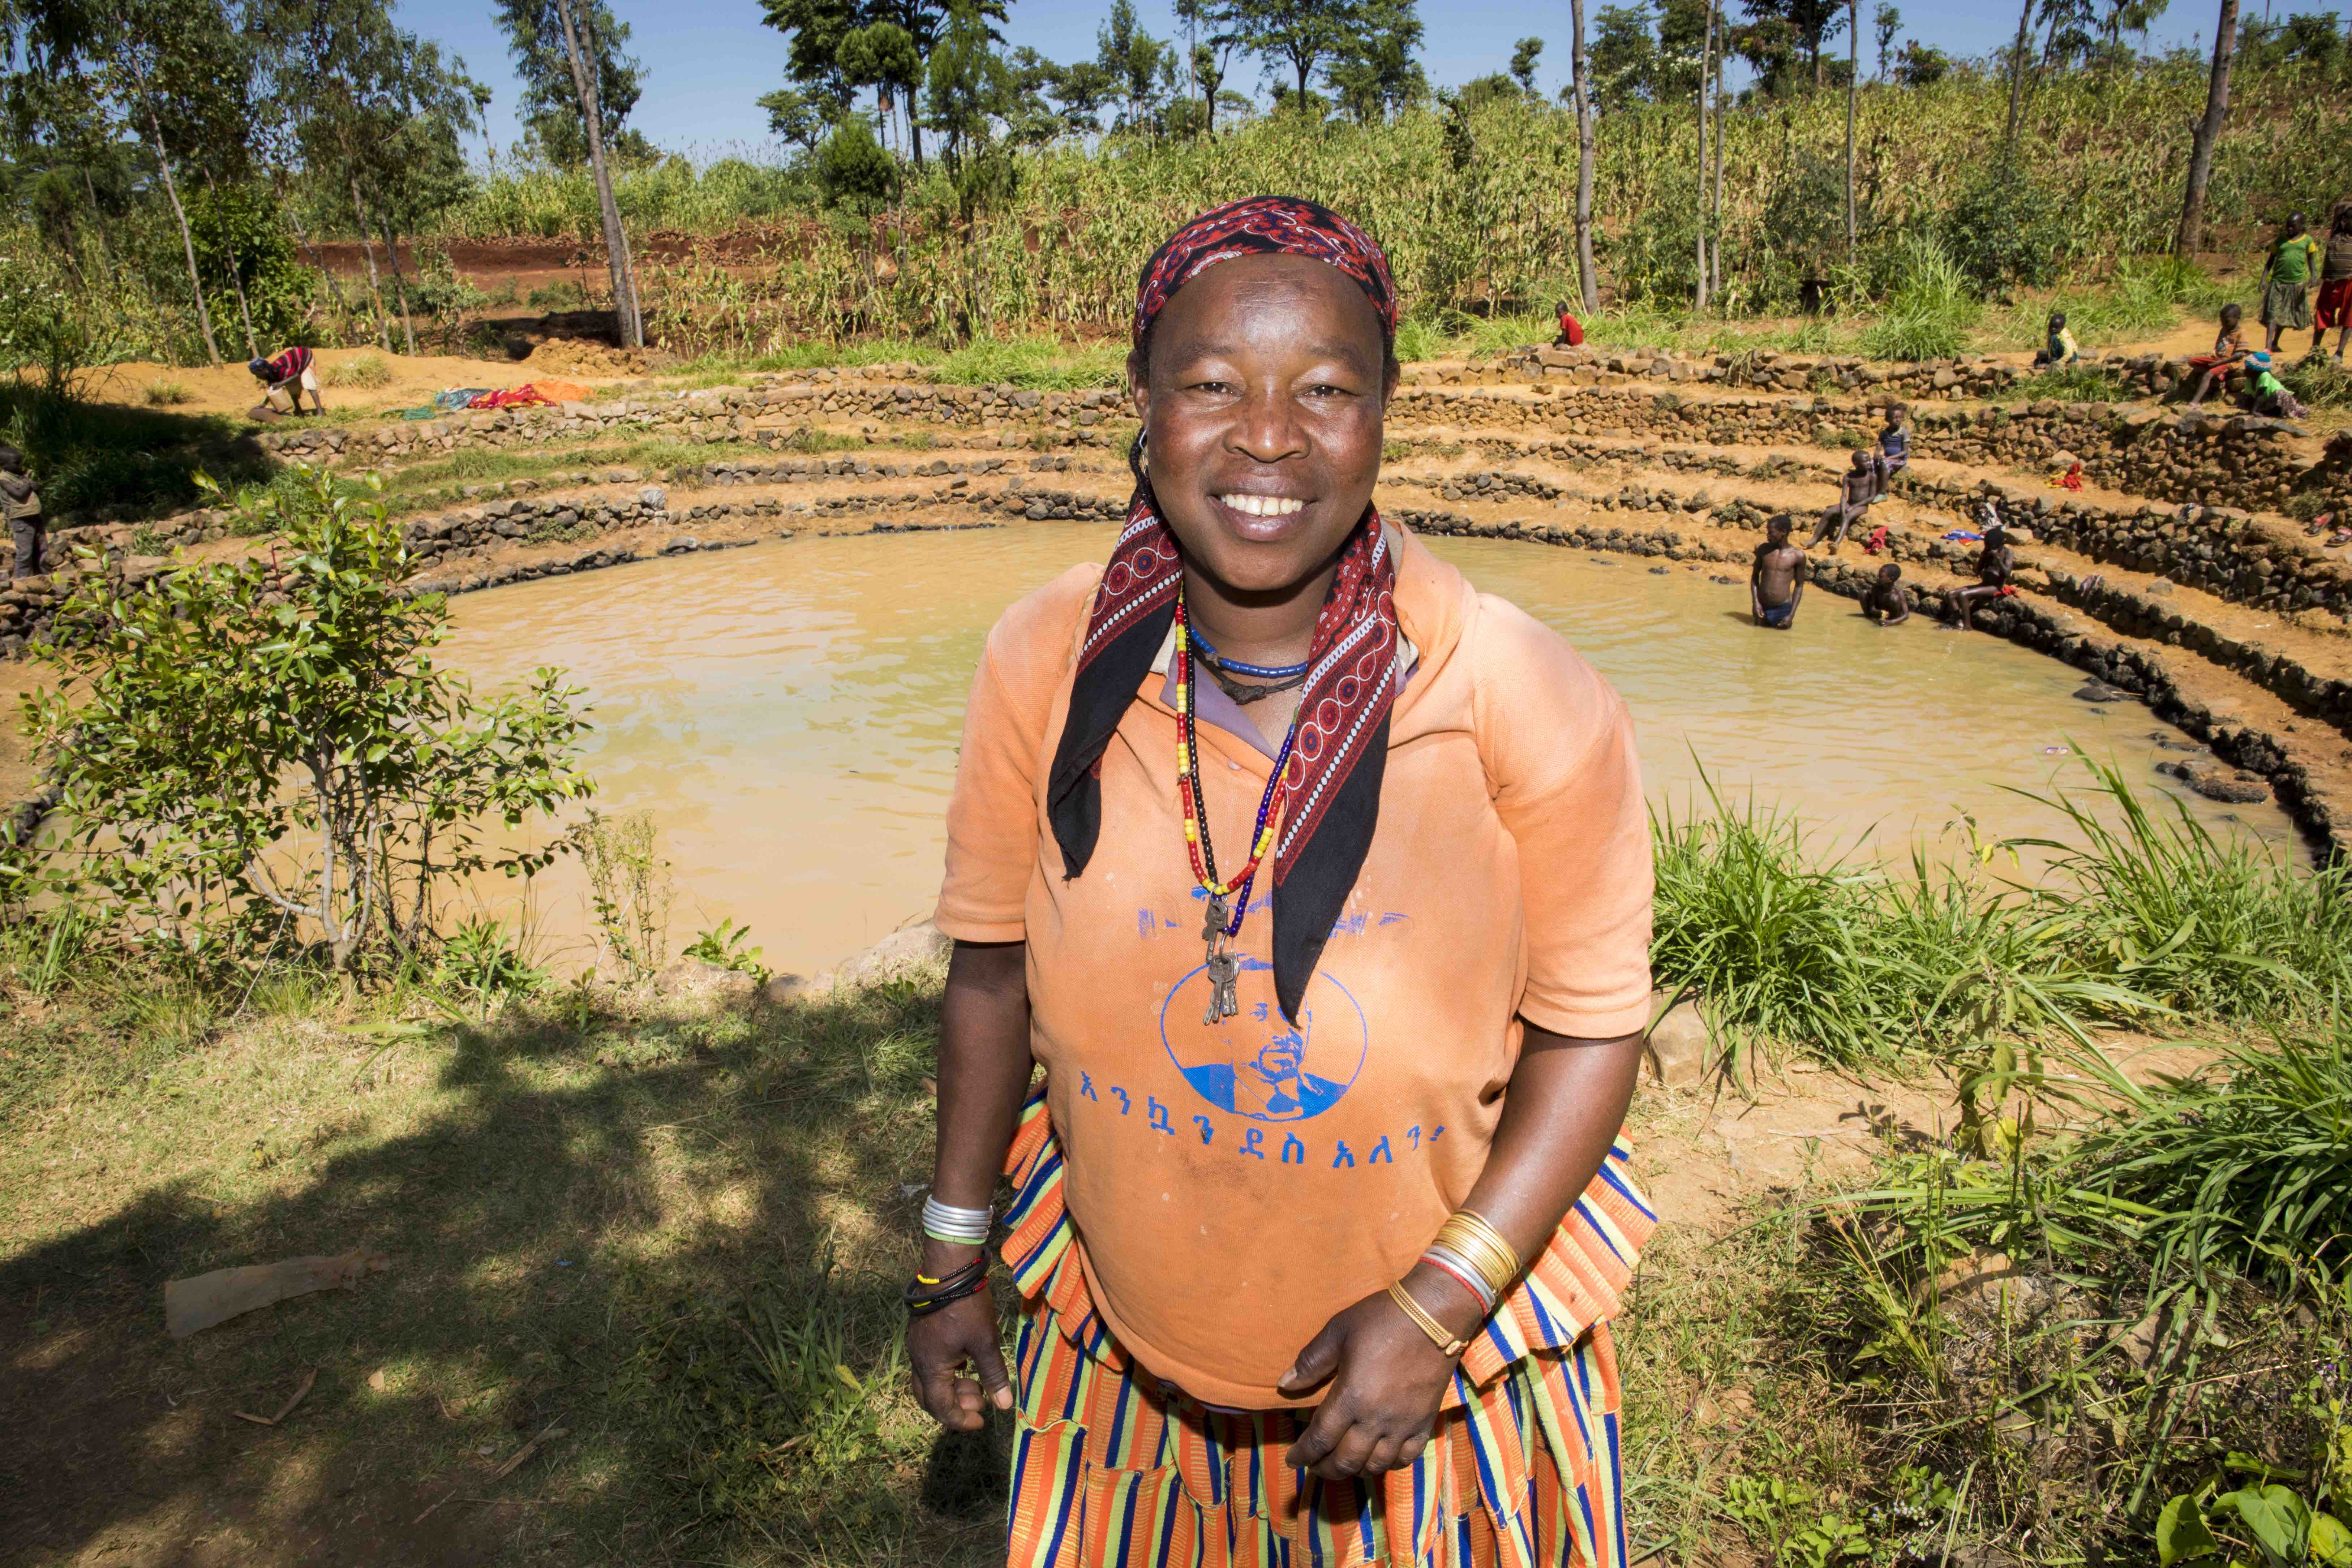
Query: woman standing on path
x=1319 y=885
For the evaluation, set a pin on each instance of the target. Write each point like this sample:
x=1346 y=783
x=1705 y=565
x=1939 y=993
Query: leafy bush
x=2006 y=229
x=241 y=244
x=853 y=169
x=724 y=947
x=478 y=960
x=92 y=455
x=264 y=748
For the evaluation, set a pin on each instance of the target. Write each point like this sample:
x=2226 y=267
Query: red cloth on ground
x=523 y=396
x=1876 y=543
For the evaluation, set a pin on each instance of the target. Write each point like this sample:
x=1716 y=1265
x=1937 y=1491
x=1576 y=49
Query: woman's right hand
x=942 y=1345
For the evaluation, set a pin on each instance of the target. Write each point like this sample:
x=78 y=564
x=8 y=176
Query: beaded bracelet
x=945 y=1222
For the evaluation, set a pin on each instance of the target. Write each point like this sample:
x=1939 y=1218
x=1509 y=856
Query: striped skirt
x=1111 y=1469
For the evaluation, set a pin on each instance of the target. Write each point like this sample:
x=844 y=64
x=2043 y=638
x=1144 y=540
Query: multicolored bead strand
x=1188 y=788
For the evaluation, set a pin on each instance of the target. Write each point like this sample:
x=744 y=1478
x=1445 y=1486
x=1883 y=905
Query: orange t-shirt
x=1233 y=1186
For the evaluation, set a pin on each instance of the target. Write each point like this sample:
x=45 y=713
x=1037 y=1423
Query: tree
x=1885 y=22
x=1624 y=61
x=551 y=103
x=1140 y=67
x=1921 y=65
x=1078 y=91
x=1523 y=64
x=1297 y=34
x=1372 y=72
x=264 y=747
x=1587 y=289
x=1705 y=50
x=1853 y=88
x=174 y=73
x=628 y=322
x=1209 y=56
x=882 y=55
x=1809 y=23
x=799 y=118
x=2192 y=233
x=854 y=170
x=2016 y=81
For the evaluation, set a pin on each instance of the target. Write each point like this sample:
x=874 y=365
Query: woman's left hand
x=1385 y=1381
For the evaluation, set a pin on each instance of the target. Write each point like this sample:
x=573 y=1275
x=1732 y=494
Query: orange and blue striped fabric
x=1111 y=1469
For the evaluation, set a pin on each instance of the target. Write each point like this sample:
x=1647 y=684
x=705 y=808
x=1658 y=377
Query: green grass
x=1847 y=960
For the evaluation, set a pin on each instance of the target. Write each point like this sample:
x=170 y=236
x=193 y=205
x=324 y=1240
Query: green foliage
x=724 y=947
x=551 y=107
x=241 y=242
x=264 y=749
x=629 y=890
x=1932 y=308
x=1855 y=962
x=854 y=170
x=480 y=960
x=47 y=324
x=2319 y=379
x=2006 y=229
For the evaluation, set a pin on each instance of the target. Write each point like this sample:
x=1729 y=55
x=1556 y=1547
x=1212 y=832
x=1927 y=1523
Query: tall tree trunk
x=187 y=240
x=1714 y=225
x=237 y=285
x=399 y=287
x=1304 y=66
x=2209 y=131
x=1706 y=48
x=375 y=284
x=2016 y=84
x=1853 y=87
x=626 y=321
x=1588 y=288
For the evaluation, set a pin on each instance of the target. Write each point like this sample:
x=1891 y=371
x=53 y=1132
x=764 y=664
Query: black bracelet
x=923 y=1297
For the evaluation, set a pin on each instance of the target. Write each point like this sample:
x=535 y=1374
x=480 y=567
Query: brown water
x=791 y=711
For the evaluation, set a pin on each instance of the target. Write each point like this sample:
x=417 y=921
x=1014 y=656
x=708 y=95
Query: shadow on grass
x=680 y=1239
x=103 y=456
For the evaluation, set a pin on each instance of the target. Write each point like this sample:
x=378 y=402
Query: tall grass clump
x=1932 y=309
x=2210 y=927
x=2145 y=915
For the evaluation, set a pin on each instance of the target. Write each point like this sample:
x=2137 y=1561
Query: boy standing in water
x=1777 y=581
x=1888 y=601
x=1855 y=492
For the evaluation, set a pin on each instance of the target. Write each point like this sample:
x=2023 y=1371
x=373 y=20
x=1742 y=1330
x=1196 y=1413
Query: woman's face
x=1261 y=408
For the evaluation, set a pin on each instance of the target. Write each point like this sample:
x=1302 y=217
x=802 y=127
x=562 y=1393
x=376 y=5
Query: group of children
x=1776 y=583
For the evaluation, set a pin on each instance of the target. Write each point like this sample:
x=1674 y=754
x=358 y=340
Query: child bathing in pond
x=1996 y=562
x=1859 y=489
x=2228 y=349
x=1888 y=601
x=1777 y=581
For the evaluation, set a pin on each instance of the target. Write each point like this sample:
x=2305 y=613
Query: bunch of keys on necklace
x=1223 y=964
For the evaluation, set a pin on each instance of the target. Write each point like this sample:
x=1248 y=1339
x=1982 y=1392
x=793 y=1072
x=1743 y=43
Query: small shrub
x=367 y=370
x=1931 y=311
x=479 y=961
x=2320 y=380
x=629 y=890
x=724 y=947
x=167 y=394
x=2007 y=230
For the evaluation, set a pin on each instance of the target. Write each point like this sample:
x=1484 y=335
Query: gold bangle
x=1480 y=1244
x=1452 y=1347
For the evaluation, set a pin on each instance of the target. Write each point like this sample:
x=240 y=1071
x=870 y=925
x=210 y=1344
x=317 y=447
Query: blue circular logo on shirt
x=1259 y=1064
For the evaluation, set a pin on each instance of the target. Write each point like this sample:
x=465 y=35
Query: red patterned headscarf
x=1340 y=750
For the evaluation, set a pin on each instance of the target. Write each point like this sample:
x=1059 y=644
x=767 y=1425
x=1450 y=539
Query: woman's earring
x=1139 y=459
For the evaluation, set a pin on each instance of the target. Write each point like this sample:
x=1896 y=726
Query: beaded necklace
x=1262 y=671
x=1228 y=899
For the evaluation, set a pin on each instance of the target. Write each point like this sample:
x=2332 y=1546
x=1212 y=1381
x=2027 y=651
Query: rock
x=695 y=979
x=2159 y=587
x=2100 y=691
x=917 y=947
x=1678 y=1047
x=2234 y=791
x=653 y=498
x=783 y=988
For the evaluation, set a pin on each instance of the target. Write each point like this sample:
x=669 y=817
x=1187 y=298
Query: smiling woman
x=1317 y=1226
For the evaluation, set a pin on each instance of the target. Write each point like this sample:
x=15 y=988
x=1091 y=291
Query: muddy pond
x=790 y=714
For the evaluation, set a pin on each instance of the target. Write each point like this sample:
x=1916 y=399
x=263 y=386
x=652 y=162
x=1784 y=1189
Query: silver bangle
x=1463 y=1272
x=945 y=1222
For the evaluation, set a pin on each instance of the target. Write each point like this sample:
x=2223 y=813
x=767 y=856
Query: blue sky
x=708 y=60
